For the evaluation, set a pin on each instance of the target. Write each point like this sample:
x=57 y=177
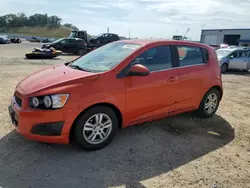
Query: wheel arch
x=112 y=106
x=217 y=87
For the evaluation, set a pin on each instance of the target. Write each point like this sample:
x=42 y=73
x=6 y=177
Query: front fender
x=117 y=101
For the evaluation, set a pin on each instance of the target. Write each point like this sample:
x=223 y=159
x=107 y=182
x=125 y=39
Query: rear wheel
x=246 y=70
x=80 y=51
x=209 y=103
x=96 y=128
x=223 y=67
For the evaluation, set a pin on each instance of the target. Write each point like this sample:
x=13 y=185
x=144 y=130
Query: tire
x=246 y=70
x=88 y=131
x=224 y=68
x=207 y=109
x=80 y=51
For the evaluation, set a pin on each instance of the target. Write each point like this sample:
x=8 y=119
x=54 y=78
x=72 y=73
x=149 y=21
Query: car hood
x=55 y=77
x=220 y=58
x=94 y=37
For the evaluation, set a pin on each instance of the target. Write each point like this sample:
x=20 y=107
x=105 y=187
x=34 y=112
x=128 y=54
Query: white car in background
x=234 y=58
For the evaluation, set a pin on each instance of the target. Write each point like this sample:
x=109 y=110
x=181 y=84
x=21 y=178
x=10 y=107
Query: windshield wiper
x=78 y=67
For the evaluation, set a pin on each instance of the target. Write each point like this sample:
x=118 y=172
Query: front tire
x=224 y=68
x=96 y=128
x=80 y=51
x=209 y=104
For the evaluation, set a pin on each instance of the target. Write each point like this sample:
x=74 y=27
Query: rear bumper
x=51 y=126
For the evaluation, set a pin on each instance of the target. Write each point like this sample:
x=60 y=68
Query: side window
x=72 y=41
x=155 y=59
x=66 y=41
x=205 y=55
x=243 y=54
x=234 y=54
x=190 y=55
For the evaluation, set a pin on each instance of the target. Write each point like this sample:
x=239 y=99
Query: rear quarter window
x=191 y=55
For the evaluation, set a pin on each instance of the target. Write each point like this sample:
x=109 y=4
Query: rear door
x=193 y=76
x=110 y=38
x=240 y=61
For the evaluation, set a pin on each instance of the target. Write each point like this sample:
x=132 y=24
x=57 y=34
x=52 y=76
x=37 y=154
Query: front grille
x=18 y=100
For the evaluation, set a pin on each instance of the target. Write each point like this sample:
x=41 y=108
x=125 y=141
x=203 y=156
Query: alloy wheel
x=211 y=103
x=97 y=128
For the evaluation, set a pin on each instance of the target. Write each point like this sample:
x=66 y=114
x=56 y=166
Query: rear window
x=191 y=55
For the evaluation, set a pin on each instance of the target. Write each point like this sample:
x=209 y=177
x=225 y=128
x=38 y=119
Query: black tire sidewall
x=82 y=120
x=224 y=65
x=201 y=111
x=80 y=51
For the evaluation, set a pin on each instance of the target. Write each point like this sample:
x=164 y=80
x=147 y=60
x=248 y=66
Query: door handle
x=172 y=79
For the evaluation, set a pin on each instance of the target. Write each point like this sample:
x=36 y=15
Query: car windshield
x=106 y=57
x=222 y=52
x=100 y=35
x=56 y=41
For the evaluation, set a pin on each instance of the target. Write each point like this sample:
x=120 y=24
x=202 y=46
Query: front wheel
x=223 y=67
x=98 y=42
x=80 y=51
x=96 y=128
x=209 y=103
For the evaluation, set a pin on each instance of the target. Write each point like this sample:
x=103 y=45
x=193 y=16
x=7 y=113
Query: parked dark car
x=15 y=40
x=104 y=38
x=4 y=40
x=68 y=45
x=35 y=39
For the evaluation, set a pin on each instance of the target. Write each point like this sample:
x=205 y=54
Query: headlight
x=58 y=101
x=35 y=102
x=49 y=101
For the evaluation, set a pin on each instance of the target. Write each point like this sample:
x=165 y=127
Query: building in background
x=215 y=37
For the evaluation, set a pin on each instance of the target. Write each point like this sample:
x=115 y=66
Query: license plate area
x=13 y=116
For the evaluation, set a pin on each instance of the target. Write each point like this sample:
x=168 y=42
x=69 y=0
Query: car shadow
x=136 y=154
x=66 y=54
x=237 y=72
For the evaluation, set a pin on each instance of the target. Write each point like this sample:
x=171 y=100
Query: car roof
x=234 y=49
x=155 y=41
x=73 y=38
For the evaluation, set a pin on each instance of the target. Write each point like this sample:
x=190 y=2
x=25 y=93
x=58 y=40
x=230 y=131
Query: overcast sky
x=146 y=18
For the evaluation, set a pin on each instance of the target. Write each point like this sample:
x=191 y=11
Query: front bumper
x=50 y=126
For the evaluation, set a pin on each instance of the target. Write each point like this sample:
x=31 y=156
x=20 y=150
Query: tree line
x=20 y=19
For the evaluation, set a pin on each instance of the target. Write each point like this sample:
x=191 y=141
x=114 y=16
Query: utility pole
x=186 y=33
x=108 y=30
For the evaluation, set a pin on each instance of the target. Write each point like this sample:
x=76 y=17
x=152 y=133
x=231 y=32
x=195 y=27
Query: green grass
x=59 y=32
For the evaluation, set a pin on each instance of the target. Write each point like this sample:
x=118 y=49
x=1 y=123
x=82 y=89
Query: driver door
x=152 y=96
x=65 y=46
x=240 y=61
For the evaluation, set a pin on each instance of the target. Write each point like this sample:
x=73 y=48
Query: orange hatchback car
x=118 y=85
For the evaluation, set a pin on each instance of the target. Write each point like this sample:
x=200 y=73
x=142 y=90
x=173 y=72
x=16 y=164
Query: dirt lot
x=174 y=152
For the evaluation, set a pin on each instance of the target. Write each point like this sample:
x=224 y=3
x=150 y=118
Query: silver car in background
x=234 y=58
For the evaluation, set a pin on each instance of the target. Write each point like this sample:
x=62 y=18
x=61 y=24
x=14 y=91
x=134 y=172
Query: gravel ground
x=173 y=152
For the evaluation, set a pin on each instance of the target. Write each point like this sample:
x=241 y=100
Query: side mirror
x=138 y=70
